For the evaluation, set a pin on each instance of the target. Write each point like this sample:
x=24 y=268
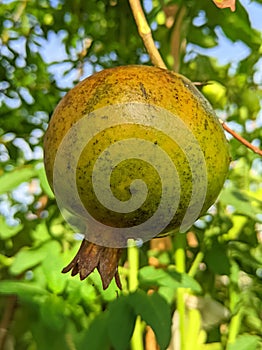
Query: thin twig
x=201 y=83
x=19 y=10
x=146 y=34
x=7 y=319
x=241 y=139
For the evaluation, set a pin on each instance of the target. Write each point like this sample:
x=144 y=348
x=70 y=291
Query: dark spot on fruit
x=142 y=88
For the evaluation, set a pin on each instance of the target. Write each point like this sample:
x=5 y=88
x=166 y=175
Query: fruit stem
x=133 y=263
x=180 y=260
x=145 y=33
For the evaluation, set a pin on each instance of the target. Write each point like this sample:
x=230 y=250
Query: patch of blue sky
x=53 y=51
x=226 y=51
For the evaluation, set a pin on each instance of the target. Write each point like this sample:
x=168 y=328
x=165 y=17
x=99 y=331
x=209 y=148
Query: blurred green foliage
x=46 y=46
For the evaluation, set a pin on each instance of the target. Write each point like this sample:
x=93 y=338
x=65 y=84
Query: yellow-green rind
x=148 y=85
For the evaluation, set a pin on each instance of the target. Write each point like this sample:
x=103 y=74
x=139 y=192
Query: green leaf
x=96 y=337
x=43 y=181
x=11 y=180
x=25 y=291
x=53 y=312
x=110 y=293
x=241 y=252
x=197 y=37
x=155 y=311
x=251 y=100
x=149 y=276
x=7 y=231
x=167 y=293
x=217 y=259
x=121 y=317
x=242 y=202
x=239 y=28
x=40 y=233
x=27 y=258
x=52 y=267
x=244 y=342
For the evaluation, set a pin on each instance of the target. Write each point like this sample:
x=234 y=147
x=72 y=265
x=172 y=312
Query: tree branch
x=241 y=139
x=176 y=38
x=7 y=319
x=146 y=34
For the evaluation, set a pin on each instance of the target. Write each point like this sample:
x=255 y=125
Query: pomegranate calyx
x=91 y=256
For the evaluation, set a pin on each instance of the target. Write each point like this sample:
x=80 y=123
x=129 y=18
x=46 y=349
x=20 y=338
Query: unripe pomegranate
x=132 y=152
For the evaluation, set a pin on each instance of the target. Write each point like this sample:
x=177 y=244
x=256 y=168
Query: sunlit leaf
x=149 y=275
x=7 y=231
x=245 y=342
x=53 y=312
x=11 y=180
x=242 y=202
x=52 y=267
x=28 y=258
x=22 y=289
x=43 y=181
